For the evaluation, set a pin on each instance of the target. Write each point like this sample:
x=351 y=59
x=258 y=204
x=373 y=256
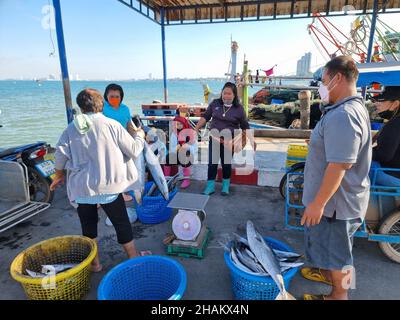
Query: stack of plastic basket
x=250 y=287
x=296 y=153
x=154 y=209
x=72 y=284
x=144 y=278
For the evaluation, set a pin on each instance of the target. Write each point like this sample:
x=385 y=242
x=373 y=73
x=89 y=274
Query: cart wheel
x=391 y=226
x=282 y=185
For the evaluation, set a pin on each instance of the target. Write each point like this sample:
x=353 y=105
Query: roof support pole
x=372 y=33
x=164 y=54
x=63 y=60
x=371 y=39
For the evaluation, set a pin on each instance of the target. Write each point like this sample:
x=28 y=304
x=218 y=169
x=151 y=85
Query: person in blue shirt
x=114 y=108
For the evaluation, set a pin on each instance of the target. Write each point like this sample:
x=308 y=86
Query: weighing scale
x=189 y=225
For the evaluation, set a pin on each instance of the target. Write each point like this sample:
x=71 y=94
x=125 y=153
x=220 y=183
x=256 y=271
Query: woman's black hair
x=114 y=86
x=233 y=87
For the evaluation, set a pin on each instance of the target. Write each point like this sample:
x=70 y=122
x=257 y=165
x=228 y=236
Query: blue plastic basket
x=154 y=209
x=144 y=278
x=376 y=125
x=249 y=287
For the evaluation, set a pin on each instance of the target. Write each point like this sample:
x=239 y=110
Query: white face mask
x=324 y=91
x=227 y=102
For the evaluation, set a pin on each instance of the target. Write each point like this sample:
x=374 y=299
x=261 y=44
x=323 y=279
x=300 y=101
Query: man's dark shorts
x=329 y=244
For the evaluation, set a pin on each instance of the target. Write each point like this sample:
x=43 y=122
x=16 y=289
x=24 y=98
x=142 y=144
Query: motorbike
x=39 y=159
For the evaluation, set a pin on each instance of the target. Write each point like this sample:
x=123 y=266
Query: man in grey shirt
x=336 y=183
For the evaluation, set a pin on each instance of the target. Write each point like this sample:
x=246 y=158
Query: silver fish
x=170 y=180
x=286 y=254
x=141 y=169
x=281 y=255
x=290 y=264
x=241 y=239
x=251 y=264
x=250 y=254
x=56 y=268
x=174 y=180
x=151 y=190
x=156 y=171
x=267 y=259
x=140 y=166
x=171 y=183
x=239 y=265
x=35 y=274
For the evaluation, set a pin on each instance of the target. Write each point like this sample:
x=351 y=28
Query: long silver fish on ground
x=156 y=171
x=267 y=259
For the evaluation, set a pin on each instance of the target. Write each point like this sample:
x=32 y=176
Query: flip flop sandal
x=146 y=253
x=314 y=274
x=314 y=297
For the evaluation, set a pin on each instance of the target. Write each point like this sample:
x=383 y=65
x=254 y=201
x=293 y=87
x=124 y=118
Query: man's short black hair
x=114 y=86
x=344 y=65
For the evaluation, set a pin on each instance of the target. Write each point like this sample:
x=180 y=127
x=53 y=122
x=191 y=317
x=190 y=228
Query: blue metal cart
x=382 y=221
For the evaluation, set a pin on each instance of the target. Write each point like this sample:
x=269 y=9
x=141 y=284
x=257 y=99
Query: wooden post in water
x=305 y=106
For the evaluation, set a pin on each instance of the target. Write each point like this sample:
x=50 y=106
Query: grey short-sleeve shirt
x=342 y=135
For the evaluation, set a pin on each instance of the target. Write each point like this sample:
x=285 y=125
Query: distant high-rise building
x=303 y=65
x=150 y=76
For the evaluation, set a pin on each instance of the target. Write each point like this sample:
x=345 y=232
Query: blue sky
x=107 y=40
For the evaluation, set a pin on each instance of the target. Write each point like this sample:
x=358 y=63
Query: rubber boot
x=186 y=173
x=210 y=188
x=225 y=186
x=167 y=171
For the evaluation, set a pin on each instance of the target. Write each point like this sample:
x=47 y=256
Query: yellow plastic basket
x=72 y=284
x=298 y=151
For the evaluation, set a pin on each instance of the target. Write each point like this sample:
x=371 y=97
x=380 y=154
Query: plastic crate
x=188 y=252
x=154 y=209
x=296 y=150
x=296 y=153
x=144 y=278
x=249 y=287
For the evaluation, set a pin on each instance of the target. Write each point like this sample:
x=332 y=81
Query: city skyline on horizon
x=121 y=44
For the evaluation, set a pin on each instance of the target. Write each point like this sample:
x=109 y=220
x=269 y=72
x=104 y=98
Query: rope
x=51 y=54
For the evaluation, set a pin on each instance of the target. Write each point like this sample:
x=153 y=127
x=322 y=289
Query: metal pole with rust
x=305 y=107
x=164 y=58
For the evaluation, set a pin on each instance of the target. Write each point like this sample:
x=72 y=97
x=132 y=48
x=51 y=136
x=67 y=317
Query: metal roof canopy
x=178 y=12
x=183 y=12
